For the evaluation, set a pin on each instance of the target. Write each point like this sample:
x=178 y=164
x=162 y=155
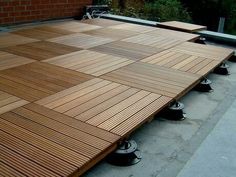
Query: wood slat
x=6 y=170
x=42 y=32
x=8 y=60
x=205 y=51
x=115 y=34
x=40 y=50
x=23 y=164
x=173 y=34
x=183 y=62
x=163 y=81
x=127 y=50
x=74 y=26
x=101 y=22
x=8 y=39
x=160 y=42
x=133 y=27
x=37 y=80
x=50 y=147
x=90 y=62
x=182 y=26
x=9 y=102
x=140 y=117
x=81 y=40
x=105 y=107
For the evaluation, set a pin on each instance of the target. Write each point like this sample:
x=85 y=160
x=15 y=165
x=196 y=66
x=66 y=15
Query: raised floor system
x=71 y=91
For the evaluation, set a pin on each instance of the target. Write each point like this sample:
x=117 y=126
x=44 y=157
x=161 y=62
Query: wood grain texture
x=81 y=40
x=9 y=102
x=37 y=80
x=103 y=103
x=40 y=50
x=8 y=60
x=173 y=34
x=42 y=32
x=205 y=51
x=75 y=26
x=127 y=50
x=183 y=62
x=7 y=40
x=90 y=62
x=52 y=144
x=159 y=42
x=101 y=22
x=116 y=34
x=182 y=26
x=133 y=27
x=57 y=119
x=152 y=78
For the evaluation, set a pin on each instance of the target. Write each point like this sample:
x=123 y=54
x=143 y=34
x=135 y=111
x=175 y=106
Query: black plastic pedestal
x=126 y=154
x=174 y=112
x=222 y=69
x=204 y=86
x=201 y=40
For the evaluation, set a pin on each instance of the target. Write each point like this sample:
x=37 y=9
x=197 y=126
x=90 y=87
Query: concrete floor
x=168 y=147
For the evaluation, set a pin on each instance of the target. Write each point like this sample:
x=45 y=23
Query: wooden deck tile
x=90 y=62
x=8 y=60
x=59 y=145
x=174 y=34
x=152 y=78
x=183 y=62
x=9 y=102
x=42 y=32
x=182 y=26
x=81 y=40
x=38 y=80
x=7 y=39
x=40 y=50
x=127 y=50
x=102 y=22
x=205 y=51
x=133 y=27
x=159 y=42
x=115 y=34
x=104 y=104
x=75 y=26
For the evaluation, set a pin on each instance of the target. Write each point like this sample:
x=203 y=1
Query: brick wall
x=19 y=11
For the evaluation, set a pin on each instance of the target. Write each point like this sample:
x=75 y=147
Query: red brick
x=8 y=20
x=3 y=14
x=25 y=2
x=20 y=19
x=14 y=14
x=3 y=4
x=8 y=9
x=30 y=10
x=25 y=13
x=20 y=8
x=35 y=12
x=14 y=3
x=45 y=1
x=31 y=7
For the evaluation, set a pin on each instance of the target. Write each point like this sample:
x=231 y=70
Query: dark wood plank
x=40 y=50
x=42 y=32
x=37 y=80
x=127 y=50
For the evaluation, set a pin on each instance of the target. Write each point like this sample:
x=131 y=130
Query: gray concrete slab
x=216 y=155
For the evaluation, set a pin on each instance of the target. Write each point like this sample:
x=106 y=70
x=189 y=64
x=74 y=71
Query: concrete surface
x=170 y=148
x=216 y=155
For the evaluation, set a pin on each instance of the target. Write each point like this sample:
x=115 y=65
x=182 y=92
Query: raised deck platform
x=70 y=91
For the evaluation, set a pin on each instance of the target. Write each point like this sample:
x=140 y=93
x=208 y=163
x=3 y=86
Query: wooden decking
x=70 y=91
x=181 y=26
